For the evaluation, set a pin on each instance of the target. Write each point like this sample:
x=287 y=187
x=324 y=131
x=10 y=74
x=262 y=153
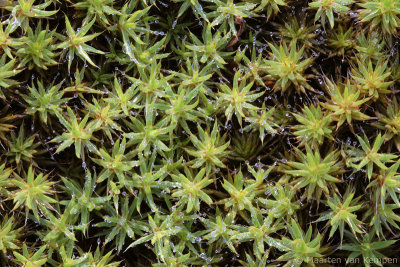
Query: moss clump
x=199 y=132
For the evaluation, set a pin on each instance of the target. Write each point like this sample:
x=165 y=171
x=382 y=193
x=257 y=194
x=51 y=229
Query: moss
x=199 y=132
